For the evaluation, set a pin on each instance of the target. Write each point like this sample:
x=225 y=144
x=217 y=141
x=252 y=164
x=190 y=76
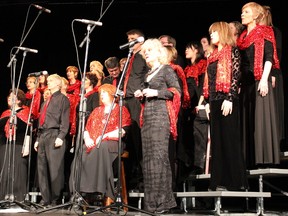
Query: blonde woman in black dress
x=158 y=119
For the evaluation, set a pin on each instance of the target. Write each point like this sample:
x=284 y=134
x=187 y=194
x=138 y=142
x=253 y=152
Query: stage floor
x=16 y=210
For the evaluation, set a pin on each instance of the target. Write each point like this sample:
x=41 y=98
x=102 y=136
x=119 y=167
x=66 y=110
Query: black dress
x=20 y=163
x=258 y=114
x=228 y=168
x=155 y=141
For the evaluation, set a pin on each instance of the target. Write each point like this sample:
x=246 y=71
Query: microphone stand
x=9 y=197
x=30 y=125
x=87 y=36
x=23 y=38
x=119 y=93
x=76 y=198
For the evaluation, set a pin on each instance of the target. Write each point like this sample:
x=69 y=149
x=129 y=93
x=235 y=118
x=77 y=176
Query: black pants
x=50 y=166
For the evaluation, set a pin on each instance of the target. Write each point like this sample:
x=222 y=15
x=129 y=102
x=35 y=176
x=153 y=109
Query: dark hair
x=135 y=31
x=207 y=37
x=92 y=77
x=170 y=39
x=197 y=45
x=20 y=96
x=112 y=62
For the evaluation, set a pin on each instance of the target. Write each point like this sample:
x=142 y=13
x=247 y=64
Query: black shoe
x=164 y=211
x=134 y=191
x=221 y=188
x=43 y=203
x=54 y=203
x=197 y=171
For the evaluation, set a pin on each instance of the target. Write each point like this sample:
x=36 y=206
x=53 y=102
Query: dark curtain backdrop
x=52 y=33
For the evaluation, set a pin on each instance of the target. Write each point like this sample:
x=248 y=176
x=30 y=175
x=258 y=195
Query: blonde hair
x=64 y=82
x=34 y=79
x=224 y=31
x=98 y=68
x=171 y=53
x=155 y=44
x=267 y=18
x=257 y=9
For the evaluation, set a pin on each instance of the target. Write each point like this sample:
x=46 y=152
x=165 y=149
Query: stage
x=15 y=210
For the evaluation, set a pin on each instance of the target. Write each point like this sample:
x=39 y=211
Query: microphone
x=91 y=22
x=1 y=40
x=42 y=8
x=132 y=43
x=28 y=49
x=36 y=74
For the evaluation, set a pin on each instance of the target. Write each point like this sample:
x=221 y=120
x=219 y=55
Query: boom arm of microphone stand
x=23 y=40
x=86 y=37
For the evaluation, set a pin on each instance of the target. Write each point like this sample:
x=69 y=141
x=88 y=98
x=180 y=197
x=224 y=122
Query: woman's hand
x=273 y=81
x=226 y=107
x=263 y=87
x=207 y=109
x=87 y=140
x=36 y=144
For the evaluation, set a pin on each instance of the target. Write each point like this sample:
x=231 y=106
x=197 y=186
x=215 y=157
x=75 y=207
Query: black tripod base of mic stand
x=76 y=202
x=118 y=204
x=33 y=206
x=7 y=203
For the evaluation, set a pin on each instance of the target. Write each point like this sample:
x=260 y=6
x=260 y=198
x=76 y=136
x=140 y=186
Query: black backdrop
x=52 y=33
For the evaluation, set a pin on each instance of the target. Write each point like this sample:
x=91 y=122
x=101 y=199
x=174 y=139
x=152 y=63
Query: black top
x=247 y=61
x=137 y=74
x=109 y=80
x=57 y=114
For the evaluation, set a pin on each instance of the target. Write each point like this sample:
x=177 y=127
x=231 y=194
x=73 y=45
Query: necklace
x=154 y=70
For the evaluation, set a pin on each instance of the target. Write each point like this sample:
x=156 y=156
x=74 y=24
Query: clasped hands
x=147 y=92
x=89 y=142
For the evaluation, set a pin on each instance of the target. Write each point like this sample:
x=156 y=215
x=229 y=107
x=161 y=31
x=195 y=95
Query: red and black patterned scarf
x=224 y=70
x=97 y=118
x=257 y=37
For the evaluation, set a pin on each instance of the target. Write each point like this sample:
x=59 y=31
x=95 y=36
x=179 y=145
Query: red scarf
x=173 y=107
x=96 y=122
x=36 y=103
x=95 y=89
x=74 y=88
x=196 y=70
x=181 y=75
x=128 y=73
x=72 y=118
x=224 y=70
x=257 y=37
x=22 y=114
x=42 y=89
